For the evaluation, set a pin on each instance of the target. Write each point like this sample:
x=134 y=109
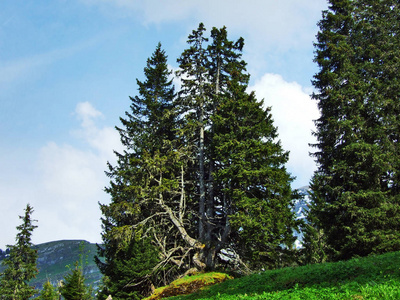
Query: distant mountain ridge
x=57 y=258
x=300 y=209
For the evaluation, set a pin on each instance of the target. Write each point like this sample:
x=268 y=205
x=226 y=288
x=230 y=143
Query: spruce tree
x=212 y=77
x=356 y=186
x=127 y=276
x=223 y=56
x=21 y=263
x=193 y=103
x=73 y=287
x=48 y=292
x=141 y=186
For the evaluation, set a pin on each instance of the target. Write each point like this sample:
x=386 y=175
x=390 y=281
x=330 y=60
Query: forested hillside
x=55 y=259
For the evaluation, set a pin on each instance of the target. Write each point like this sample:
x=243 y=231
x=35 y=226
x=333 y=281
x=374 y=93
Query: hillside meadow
x=373 y=277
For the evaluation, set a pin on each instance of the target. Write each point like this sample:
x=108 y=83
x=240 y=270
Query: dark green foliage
x=356 y=187
x=48 y=292
x=314 y=248
x=147 y=135
x=192 y=104
x=21 y=264
x=252 y=180
x=237 y=150
x=73 y=287
x=129 y=275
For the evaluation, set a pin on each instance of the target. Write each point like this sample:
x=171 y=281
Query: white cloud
x=85 y=112
x=64 y=184
x=71 y=183
x=275 y=23
x=100 y=139
x=293 y=112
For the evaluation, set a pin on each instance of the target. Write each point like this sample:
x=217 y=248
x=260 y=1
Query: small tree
x=21 y=263
x=48 y=292
x=128 y=275
x=74 y=287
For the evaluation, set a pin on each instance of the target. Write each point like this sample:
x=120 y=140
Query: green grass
x=374 y=277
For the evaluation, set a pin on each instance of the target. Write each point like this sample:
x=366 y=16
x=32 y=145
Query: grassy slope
x=375 y=277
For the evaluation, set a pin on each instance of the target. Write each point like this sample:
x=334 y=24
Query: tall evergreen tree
x=144 y=186
x=21 y=263
x=204 y=76
x=223 y=85
x=356 y=186
x=193 y=100
x=223 y=56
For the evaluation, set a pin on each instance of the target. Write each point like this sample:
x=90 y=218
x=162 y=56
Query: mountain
x=300 y=208
x=56 y=259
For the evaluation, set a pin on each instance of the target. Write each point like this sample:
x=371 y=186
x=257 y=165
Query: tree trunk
x=202 y=216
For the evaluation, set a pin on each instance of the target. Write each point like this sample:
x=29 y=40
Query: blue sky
x=68 y=67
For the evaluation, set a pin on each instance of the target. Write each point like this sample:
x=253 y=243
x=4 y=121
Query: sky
x=68 y=67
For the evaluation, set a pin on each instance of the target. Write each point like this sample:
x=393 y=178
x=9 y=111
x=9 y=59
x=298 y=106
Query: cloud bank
x=286 y=22
x=64 y=183
x=293 y=112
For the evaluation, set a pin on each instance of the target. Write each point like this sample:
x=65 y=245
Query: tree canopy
x=202 y=182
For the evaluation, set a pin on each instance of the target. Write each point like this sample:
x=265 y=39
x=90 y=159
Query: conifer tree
x=21 y=263
x=74 y=287
x=215 y=76
x=144 y=185
x=128 y=274
x=204 y=76
x=223 y=56
x=356 y=186
x=193 y=100
x=314 y=248
x=48 y=292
